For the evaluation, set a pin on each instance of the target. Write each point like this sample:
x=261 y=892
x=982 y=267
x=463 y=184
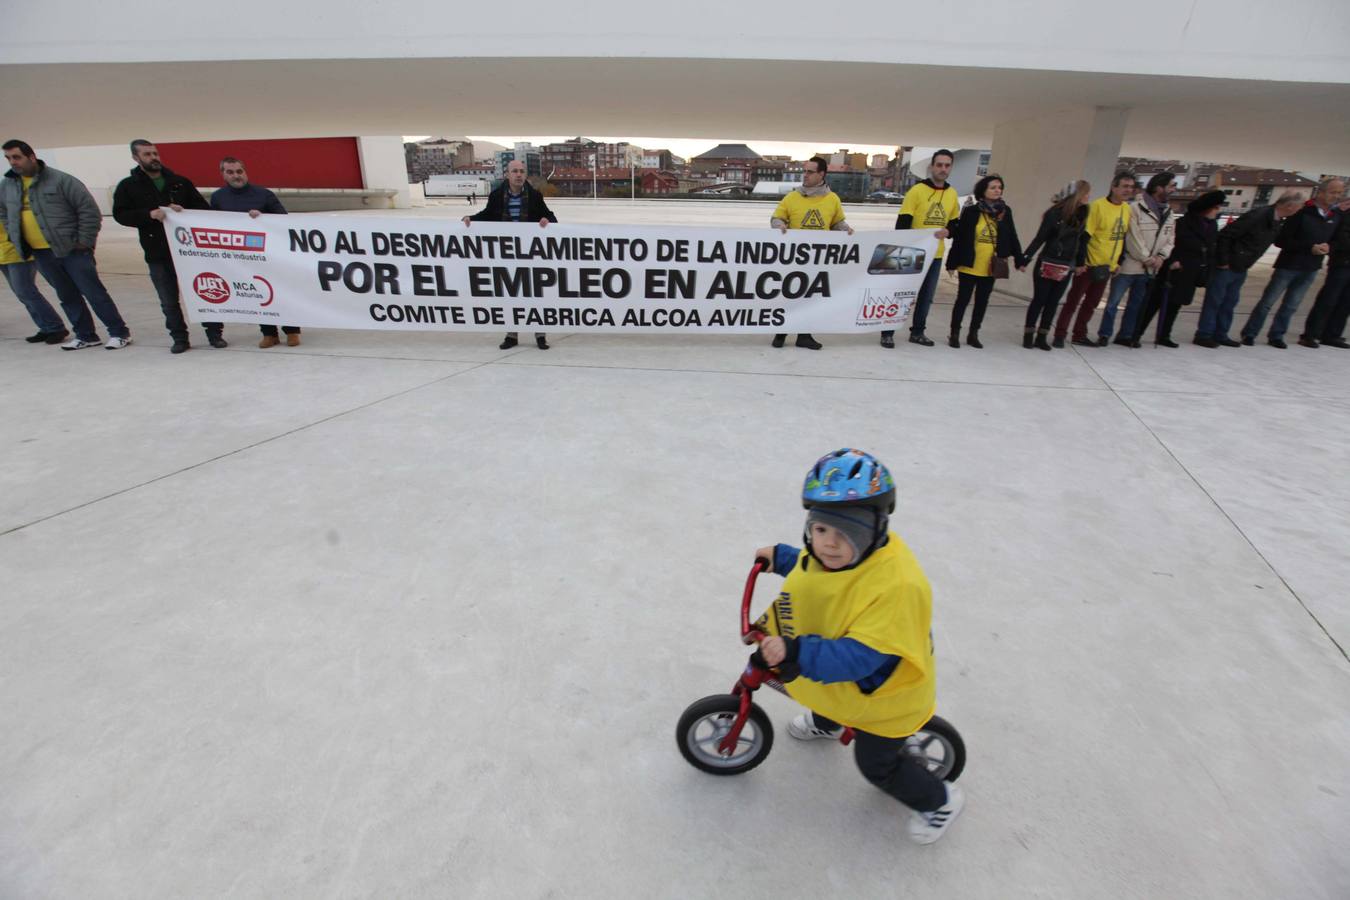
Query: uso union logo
x=180 y=234
x=211 y=287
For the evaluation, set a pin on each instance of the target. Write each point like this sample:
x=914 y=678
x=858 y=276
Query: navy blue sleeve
x=273 y=205
x=784 y=558
x=828 y=661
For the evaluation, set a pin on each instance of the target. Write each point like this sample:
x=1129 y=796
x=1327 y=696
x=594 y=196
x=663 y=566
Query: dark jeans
x=1326 y=321
x=166 y=285
x=1084 y=297
x=966 y=285
x=1169 y=293
x=272 y=329
x=75 y=279
x=1221 y=298
x=1044 y=298
x=22 y=278
x=924 y=301
x=883 y=762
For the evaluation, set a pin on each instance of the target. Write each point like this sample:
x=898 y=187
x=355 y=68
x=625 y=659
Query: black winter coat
x=962 y=252
x=1063 y=241
x=1300 y=231
x=496 y=209
x=136 y=197
x=1340 y=244
x=1243 y=240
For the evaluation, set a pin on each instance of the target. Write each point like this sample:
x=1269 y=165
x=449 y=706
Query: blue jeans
x=75 y=279
x=1221 y=298
x=22 y=278
x=1137 y=285
x=1293 y=284
x=924 y=301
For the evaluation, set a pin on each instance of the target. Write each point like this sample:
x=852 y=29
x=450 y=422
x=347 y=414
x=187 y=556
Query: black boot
x=778 y=339
x=973 y=339
x=1058 y=343
x=954 y=339
x=1028 y=336
x=1041 y=342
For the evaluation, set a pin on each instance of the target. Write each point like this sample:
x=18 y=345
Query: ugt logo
x=211 y=287
x=223 y=239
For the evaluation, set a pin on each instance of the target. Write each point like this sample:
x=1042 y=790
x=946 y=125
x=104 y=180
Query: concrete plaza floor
x=404 y=615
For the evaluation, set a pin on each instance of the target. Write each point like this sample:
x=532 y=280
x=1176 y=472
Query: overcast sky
x=689 y=148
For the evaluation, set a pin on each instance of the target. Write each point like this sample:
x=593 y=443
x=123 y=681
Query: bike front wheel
x=706 y=722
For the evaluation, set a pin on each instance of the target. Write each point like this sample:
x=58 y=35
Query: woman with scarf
x=1186 y=269
x=1063 y=235
x=985 y=237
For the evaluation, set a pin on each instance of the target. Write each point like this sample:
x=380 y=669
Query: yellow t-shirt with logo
x=9 y=254
x=931 y=208
x=800 y=211
x=31 y=232
x=986 y=241
x=886 y=604
x=1106 y=227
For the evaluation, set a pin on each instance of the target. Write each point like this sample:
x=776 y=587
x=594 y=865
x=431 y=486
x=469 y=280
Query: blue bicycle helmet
x=851 y=483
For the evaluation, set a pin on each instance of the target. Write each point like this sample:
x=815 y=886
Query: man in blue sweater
x=239 y=196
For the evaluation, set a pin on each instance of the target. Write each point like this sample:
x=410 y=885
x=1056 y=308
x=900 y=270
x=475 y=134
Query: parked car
x=885 y=197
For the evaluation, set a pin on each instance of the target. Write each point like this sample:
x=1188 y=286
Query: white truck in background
x=457 y=186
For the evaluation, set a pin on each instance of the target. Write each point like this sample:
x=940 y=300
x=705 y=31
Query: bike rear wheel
x=938 y=747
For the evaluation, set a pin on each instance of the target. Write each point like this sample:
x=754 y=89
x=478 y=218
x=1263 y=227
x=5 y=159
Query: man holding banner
x=516 y=201
x=811 y=206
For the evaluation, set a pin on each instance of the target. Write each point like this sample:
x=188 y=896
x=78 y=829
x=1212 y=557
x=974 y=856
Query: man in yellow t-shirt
x=930 y=204
x=812 y=206
x=850 y=633
x=50 y=215
x=1107 y=222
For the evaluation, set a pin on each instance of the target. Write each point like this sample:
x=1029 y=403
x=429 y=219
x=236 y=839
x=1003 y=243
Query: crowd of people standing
x=1125 y=246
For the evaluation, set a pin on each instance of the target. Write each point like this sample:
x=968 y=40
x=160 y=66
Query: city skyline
x=691 y=147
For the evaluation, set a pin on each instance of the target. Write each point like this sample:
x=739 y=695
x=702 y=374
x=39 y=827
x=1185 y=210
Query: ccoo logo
x=211 y=287
x=181 y=235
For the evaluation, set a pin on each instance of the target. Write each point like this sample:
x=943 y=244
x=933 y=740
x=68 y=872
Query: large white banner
x=420 y=274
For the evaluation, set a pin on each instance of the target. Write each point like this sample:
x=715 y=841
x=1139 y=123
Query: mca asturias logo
x=211 y=287
x=255 y=288
x=224 y=239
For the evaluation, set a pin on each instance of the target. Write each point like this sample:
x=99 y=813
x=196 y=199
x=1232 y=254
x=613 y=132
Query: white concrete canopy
x=1209 y=86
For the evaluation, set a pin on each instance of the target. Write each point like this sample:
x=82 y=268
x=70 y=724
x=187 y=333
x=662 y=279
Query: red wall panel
x=279 y=163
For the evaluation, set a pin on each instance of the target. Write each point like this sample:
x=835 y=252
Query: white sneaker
x=78 y=344
x=116 y=343
x=803 y=728
x=927 y=827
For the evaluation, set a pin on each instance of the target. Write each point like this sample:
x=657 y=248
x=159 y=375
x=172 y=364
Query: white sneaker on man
x=803 y=728
x=116 y=343
x=78 y=344
x=927 y=827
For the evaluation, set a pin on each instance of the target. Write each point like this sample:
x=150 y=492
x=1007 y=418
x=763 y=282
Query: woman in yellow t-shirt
x=985 y=232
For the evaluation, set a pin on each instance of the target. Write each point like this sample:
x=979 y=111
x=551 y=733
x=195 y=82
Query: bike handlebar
x=748 y=634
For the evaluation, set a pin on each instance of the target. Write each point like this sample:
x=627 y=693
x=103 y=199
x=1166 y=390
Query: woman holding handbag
x=1064 y=238
x=985 y=237
x=1197 y=238
x=1108 y=220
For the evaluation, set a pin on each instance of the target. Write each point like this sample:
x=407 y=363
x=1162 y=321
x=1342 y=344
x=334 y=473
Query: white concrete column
x=383 y=167
x=1037 y=157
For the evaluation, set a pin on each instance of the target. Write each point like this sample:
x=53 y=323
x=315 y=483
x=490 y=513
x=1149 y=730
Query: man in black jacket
x=137 y=203
x=1326 y=322
x=1241 y=243
x=1304 y=240
x=516 y=201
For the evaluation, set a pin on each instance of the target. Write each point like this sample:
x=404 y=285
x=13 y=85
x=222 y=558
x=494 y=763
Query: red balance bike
x=727 y=734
